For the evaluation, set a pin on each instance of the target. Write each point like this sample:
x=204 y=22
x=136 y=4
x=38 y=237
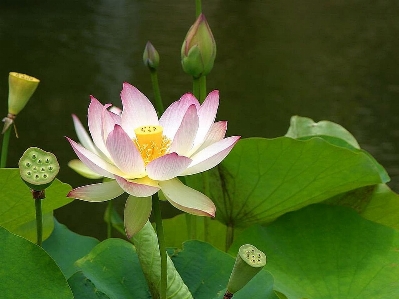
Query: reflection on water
x=333 y=60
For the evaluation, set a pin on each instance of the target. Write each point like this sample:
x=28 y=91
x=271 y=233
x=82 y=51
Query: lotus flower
x=142 y=154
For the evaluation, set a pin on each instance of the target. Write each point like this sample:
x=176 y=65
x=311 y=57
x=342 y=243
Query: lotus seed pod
x=38 y=168
x=249 y=262
x=21 y=88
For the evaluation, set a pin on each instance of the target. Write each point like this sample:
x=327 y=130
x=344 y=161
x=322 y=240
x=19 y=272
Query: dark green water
x=335 y=60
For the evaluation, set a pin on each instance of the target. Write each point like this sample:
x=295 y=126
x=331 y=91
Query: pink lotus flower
x=142 y=154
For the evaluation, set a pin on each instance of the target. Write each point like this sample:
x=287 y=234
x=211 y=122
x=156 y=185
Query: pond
x=334 y=60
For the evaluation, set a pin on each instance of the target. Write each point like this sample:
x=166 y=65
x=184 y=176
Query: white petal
x=207 y=115
x=97 y=192
x=82 y=134
x=95 y=124
x=211 y=156
x=124 y=153
x=136 y=187
x=94 y=162
x=137 y=110
x=136 y=214
x=109 y=121
x=83 y=170
x=184 y=137
x=215 y=134
x=187 y=199
x=173 y=115
x=167 y=167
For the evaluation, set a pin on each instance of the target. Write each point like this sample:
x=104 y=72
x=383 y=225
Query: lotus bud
x=151 y=57
x=38 y=168
x=249 y=262
x=198 y=51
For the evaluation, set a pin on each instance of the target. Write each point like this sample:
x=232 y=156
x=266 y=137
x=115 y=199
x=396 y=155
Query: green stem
x=161 y=243
x=202 y=93
x=205 y=176
x=229 y=236
x=191 y=224
x=198 y=8
x=157 y=93
x=109 y=218
x=4 y=148
x=196 y=87
x=38 y=196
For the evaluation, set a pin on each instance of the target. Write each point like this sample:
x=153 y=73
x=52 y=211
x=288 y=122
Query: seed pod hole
x=36 y=175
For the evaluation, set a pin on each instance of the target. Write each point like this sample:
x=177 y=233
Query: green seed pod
x=21 y=88
x=38 y=168
x=249 y=262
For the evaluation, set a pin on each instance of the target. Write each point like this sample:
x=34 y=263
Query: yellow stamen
x=151 y=142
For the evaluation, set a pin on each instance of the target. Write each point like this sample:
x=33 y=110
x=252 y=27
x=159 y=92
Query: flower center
x=151 y=142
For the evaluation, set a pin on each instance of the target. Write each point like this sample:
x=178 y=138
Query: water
x=334 y=60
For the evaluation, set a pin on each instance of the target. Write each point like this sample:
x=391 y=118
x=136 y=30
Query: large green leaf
x=66 y=247
x=27 y=271
x=383 y=206
x=17 y=207
x=261 y=179
x=328 y=252
x=377 y=203
x=206 y=271
x=301 y=127
x=111 y=270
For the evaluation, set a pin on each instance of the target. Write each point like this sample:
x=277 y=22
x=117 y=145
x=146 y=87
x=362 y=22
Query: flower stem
x=157 y=93
x=4 y=148
x=38 y=196
x=161 y=243
x=198 y=8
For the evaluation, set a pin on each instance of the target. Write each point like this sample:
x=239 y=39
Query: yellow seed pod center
x=151 y=142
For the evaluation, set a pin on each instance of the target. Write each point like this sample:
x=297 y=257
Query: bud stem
x=198 y=8
x=199 y=88
x=157 y=93
x=4 y=148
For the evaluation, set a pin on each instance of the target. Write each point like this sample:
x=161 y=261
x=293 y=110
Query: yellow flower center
x=151 y=142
